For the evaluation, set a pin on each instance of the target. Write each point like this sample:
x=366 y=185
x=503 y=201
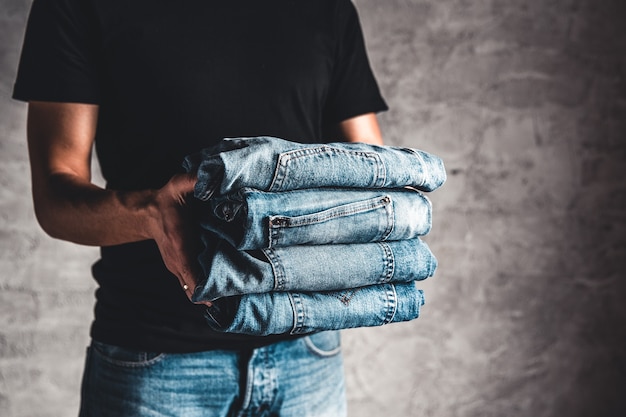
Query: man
x=149 y=82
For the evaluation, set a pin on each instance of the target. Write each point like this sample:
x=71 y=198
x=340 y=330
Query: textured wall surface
x=526 y=102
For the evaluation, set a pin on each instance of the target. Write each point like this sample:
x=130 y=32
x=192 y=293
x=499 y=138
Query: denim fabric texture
x=273 y=164
x=252 y=219
x=300 y=313
x=295 y=378
x=302 y=238
x=310 y=268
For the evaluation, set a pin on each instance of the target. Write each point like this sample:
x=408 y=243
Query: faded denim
x=301 y=238
x=272 y=164
x=252 y=219
x=301 y=312
x=295 y=378
x=310 y=268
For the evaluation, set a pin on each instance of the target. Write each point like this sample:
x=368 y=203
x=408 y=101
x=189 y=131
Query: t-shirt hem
x=20 y=95
x=359 y=111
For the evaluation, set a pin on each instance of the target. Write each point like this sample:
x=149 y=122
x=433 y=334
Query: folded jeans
x=229 y=272
x=303 y=312
x=273 y=164
x=253 y=219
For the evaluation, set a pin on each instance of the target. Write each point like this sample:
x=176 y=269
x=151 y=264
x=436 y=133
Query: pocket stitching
x=282 y=163
x=316 y=350
x=342 y=210
x=277 y=223
x=127 y=364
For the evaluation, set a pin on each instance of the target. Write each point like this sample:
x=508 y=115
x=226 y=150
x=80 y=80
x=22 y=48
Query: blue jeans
x=252 y=219
x=272 y=164
x=296 y=378
x=228 y=271
x=301 y=313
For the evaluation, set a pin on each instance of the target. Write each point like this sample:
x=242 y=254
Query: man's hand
x=175 y=232
x=70 y=207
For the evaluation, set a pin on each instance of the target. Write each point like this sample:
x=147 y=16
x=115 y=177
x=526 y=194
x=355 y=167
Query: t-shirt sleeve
x=59 y=60
x=353 y=89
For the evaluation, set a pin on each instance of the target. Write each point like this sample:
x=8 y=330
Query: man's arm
x=70 y=207
x=362 y=128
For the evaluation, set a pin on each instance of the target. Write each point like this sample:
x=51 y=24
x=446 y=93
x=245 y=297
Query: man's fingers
x=179 y=240
x=188 y=278
x=184 y=183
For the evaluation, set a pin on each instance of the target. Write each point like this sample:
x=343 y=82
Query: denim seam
x=429 y=206
x=273 y=235
x=320 y=352
x=381 y=175
x=299 y=315
x=389 y=210
x=280 y=280
x=388 y=263
x=247 y=399
x=421 y=163
x=342 y=210
x=392 y=304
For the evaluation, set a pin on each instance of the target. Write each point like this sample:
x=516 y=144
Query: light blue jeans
x=253 y=219
x=309 y=268
x=302 y=313
x=296 y=378
x=284 y=286
x=272 y=164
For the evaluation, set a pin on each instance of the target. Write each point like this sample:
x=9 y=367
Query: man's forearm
x=69 y=208
x=363 y=128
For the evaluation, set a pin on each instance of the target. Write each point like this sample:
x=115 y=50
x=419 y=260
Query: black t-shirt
x=172 y=77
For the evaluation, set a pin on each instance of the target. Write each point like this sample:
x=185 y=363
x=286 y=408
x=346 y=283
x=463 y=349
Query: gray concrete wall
x=526 y=102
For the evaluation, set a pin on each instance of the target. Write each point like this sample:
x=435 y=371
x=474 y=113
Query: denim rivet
x=278 y=222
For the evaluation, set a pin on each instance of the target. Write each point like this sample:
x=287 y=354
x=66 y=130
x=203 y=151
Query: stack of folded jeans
x=308 y=237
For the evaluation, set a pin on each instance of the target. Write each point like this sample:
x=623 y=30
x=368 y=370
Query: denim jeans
x=272 y=164
x=252 y=219
x=321 y=258
x=309 y=268
x=296 y=378
x=301 y=313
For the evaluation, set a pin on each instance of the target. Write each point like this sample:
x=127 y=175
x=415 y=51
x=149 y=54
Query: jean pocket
x=125 y=357
x=327 y=166
x=370 y=220
x=324 y=344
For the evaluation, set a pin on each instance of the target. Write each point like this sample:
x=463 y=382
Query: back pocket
x=325 y=166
